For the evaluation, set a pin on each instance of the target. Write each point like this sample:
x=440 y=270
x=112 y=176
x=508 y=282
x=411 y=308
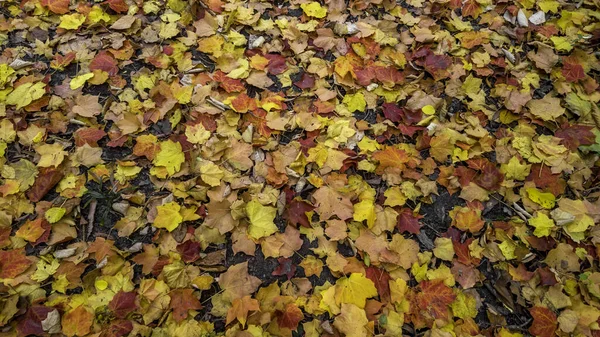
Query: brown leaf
x=544 y=322
x=183 y=300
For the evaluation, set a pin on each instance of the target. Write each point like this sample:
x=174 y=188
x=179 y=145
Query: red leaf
x=572 y=71
x=544 y=322
x=227 y=83
x=45 y=181
x=60 y=62
x=388 y=76
x=381 y=279
x=296 y=212
x=490 y=177
x=123 y=303
x=471 y=8
x=392 y=112
x=31 y=323
x=118 y=6
x=89 y=136
x=434 y=298
x=189 y=250
x=119 y=328
x=13 y=263
x=183 y=300
x=408 y=222
x=436 y=65
x=57 y=6
x=306 y=81
x=276 y=64
x=574 y=136
x=290 y=317
x=104 y=61
x=286 y=267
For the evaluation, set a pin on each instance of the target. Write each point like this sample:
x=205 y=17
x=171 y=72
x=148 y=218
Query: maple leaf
x=183 y=300
x=574 y=136
x=471 y=8
x=544 y=322
x=467 y=219
x=123 y=303
x=240 y=308
x=237 y=283
x=170 y=156
x=290 y=317
x=329 y=202
x=32 y=230
x=118 y=6
x=434 y=298
x=407 y=221
x=189 y=250
x=168 y=216
x=31 y=322
x=77 y=322
x=296 y=212
x=13 y=263
x=352 y=321
x=355 y=289
x=119 y=328
x=391 y=157
x=381 y=279
x=56 y=6
x=261 y=219
x=286 y=267
x=572 y=70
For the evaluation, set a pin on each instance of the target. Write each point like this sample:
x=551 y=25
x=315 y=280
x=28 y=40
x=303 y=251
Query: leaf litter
x=299 y=168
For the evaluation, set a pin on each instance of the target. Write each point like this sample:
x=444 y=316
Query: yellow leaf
x=51 y=154
x=26 y=93
x=515 y=170
x=464 y=306
x=314 y=9
x=549 y=5
x=561 y=43
x=197 y=134
x=79 y=81
x=211 y=173
x=168 y=216
x=352 y=321
x=71 y=21
x=394 y=197
x=355 y=102
x=542 y=223
x=54 y=214
x=365 y=210
x=544 y=199
x=354 y=289
x=45 y=269
x=170 y=156
x=444 y=249
x=261 y=219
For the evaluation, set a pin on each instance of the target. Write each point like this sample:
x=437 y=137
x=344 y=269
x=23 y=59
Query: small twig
x=91 y=216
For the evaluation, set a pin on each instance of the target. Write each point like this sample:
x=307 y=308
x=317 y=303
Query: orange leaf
x=240 y=308
x=57 y=6
x=290 y=317
x=13 y=263
x=544 y=322
x=183 y=300
x=77 y=322
x=118 y=6
x=32 y=230
x=391 y=157
x=434 y=298
x=466 y=219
